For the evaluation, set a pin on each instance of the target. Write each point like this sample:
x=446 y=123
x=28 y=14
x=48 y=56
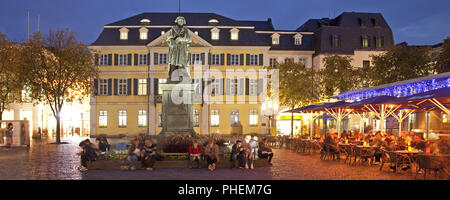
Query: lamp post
x=269 y=109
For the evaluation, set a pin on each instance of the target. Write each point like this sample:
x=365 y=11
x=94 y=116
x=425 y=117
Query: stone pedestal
x=177 y=108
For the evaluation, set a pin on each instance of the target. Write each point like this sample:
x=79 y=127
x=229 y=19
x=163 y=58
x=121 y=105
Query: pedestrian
x=9 y=135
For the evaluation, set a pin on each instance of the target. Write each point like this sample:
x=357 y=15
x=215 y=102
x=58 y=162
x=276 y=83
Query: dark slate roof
x=261 y=25
x=247 y=37
x=287 y=42
x=347 y=26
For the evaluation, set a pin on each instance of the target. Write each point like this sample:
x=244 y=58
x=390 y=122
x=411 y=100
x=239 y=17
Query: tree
x=11 y=83
x=443 y=60
x=59 y=69
x=297 y=86
x=338 y=75
x=399 y=63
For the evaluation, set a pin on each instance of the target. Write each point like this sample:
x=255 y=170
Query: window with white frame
x=198 y=87
x=254 y=59
x=142 y=59
x=275 y=39
x=161 y=81
x=102 y=87
x=298 y=39
x=215 y=59
x=142 y=118
x=234 y=59
x=122 y=86
x=215 y=33
x=253 y=117
x=234 y=117
x=253 y=87
x=195 y=59
x=123 y=59
x=196 y=117
x=272 y=62
x=103 y=59
x=162 y=59
x=233 y=86
x=143 y=33
x=103 y=118
x=122 y=118
x=215 y=87
x=123 y=33
x=142 y=86
x=234 y=34
x=215 y=117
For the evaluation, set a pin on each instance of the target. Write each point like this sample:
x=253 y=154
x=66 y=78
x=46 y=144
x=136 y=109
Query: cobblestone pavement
x=50 y=161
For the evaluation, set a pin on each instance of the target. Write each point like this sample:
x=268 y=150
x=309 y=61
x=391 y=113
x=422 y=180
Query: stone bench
x=115 y=164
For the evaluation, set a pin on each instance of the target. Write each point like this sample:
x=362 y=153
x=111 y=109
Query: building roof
x=249 y=31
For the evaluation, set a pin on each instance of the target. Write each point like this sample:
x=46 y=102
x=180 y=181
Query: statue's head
x=180 y=21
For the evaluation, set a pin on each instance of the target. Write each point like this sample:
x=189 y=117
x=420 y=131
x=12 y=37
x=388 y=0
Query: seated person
x=236 y=150
x=87 y=154
x=105 y=142
x=100 y=146
x=148 y=154
x=378 y=142
x=265 y=152
x=212 y=154
x=194 y=154
x=134 y=153
x=418 y=143
x=331 y=143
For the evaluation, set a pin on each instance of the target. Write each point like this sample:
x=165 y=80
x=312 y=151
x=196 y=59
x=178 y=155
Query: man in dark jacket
x=87 y=154
x=235 y=153
x=148 y=154
x=332 y=145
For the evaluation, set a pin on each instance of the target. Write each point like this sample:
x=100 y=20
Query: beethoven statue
x=178 y=39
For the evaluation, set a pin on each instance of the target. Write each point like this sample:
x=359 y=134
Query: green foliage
x=400 y=63
x=297 y=85
x=11 y=80
x=338 y=75
x=443 y=60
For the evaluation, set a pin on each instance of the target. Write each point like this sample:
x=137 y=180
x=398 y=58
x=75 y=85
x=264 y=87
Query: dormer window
x=163 y=32
x=275 y=39
x=143 y=33
x=213 y=21
x=298 y=39
x=215 y=33
x=234 y=34
x=123 y=33
x=361 y=22
x=196 y=32
x=145 y=21
x=374 y=22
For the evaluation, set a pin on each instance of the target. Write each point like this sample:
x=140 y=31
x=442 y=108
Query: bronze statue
x=178 y=39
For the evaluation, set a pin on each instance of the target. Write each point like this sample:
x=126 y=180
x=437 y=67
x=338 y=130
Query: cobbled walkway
x=49 y=161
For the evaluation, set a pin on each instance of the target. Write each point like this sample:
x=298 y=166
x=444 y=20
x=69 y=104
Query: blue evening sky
x=414 y=21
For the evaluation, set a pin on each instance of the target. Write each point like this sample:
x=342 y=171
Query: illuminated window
x=142 y=118
x=215 y=33
x=103 y=118
x=335 y=41
x=102 y=87
x=234 y=34
x=298 y=39
x=142 y=86
x=8 y=115
x=143 y=33
x=161 y=81
x=124 y=33
x=364 y=41
x=379 y=40
x=253 y=117
x=234 y=117
x=275 y=39
x=215 y=117
x=215 y=87
x=122 y=118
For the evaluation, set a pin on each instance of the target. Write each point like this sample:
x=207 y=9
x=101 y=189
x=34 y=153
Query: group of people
x=8 y=134
x=246 y=151
x=92 y=151
x=144 y=152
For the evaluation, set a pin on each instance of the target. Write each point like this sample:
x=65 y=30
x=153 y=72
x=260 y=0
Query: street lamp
x=269 y=109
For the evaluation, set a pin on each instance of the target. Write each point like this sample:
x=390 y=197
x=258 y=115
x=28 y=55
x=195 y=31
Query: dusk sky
x=416 y=22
